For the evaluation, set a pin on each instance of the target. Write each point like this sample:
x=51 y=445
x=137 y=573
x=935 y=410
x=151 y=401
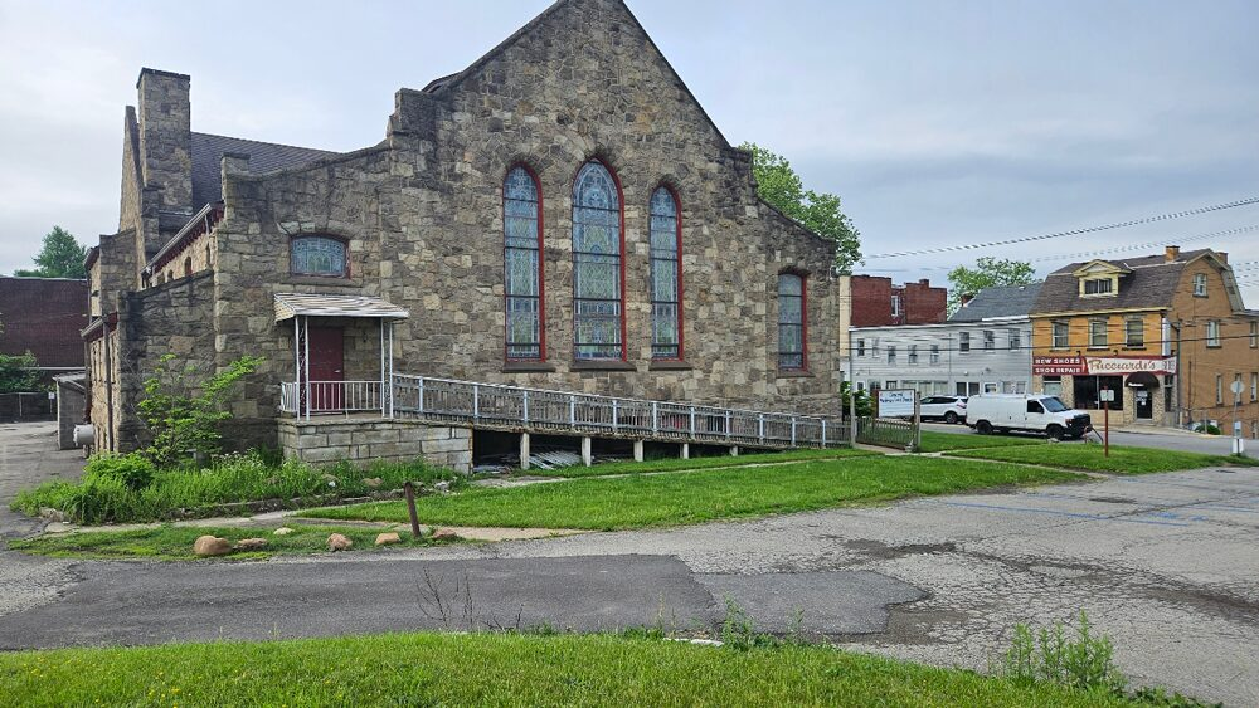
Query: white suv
x=950 y=409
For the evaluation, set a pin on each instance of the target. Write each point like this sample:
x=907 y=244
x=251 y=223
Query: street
x=1165 y=564
x=1153 y=437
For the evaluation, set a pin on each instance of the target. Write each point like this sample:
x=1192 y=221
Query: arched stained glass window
x=666 y=277
x=597 y=252
x=522 y=238
x=792 y=327
x=318 y=256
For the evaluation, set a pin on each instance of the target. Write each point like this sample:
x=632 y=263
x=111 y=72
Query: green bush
x=132 y=470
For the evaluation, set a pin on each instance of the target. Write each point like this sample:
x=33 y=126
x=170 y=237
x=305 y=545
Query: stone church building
x=562 y=214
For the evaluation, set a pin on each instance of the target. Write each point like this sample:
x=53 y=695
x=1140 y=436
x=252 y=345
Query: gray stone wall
x=422 y=215
x=330 y=440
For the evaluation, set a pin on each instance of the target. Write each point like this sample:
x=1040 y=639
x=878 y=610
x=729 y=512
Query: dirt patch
x=879 y=551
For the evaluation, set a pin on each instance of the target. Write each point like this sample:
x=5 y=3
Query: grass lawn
x=499 y=670
x=933 y=441
x=1126 y=460
x=697 y=497
x=175 y=543
x=674 y=464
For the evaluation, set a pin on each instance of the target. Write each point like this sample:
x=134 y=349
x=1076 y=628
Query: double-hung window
x=1213 y=333
x=1200 y=285
x=935 y=353
x=913 y=353
x=990 y=339
x=1134 y=333
x=1014 y=338
x=1099 y=338
x=963 y=342
x=792 y=330
x=522 y=241
x=598 y=249
x=891 y=354
x=1061 y=334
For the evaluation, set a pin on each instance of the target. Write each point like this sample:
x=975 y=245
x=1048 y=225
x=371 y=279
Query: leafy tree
x=183 y=414
x=18 y=373
x=779 y=185
x=987 y=273
x=61 y=257
x=864 y=406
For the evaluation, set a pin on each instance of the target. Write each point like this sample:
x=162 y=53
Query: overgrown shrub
x=1084 y=662
x=184 y=414
x=112 y=488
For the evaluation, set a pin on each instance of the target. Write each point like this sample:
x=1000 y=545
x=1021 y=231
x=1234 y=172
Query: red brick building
x=876 y=302
x=44 y=316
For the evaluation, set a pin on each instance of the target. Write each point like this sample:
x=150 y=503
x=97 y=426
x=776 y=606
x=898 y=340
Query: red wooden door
x=327 y=365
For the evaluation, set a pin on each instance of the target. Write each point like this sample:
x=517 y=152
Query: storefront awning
x=290 y=305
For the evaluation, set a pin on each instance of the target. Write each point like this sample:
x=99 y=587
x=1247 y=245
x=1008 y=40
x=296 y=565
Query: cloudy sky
x=939 y=123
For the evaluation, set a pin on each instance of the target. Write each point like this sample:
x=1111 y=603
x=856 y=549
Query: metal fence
x=542 y=410
x=888 y=432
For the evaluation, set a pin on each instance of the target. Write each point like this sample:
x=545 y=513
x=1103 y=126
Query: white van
x=1033 y=412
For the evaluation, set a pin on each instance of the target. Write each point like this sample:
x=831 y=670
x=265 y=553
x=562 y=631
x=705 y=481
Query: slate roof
x=207 y=157
x=1002 y=301
x=1151 y=284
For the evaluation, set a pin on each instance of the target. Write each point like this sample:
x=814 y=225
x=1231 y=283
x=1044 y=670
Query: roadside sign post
x=1239 y=445
x=1107 y=396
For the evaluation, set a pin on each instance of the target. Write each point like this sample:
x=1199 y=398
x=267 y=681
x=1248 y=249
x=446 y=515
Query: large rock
x=386 y=539
x=283 y=531
x=444 y=533
x=339 y=542
x=211 y=546
x=251 y=544
x=373 y=482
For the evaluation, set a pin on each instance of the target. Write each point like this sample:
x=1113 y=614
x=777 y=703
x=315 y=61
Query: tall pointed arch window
x=666 y=277
x=598 y=312
x=522 y=237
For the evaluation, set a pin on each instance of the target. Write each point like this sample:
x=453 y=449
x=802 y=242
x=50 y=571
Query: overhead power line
x=1074 y=232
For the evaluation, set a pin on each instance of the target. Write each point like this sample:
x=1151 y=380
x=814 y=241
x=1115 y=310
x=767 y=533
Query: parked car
x=1035 y=413
x=950 y=409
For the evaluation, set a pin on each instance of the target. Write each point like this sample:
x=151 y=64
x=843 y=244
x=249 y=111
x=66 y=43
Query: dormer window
x=1098 y=286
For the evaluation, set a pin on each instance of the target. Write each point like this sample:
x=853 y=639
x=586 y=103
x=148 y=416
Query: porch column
x=734 y=450
x=306 y=361
x=383 y=409
x=389 y=380
x=524 y=451
x=638 y=450
x=685 y=451
x=587 y=458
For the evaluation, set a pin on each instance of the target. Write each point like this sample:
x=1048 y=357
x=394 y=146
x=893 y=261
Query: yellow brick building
x=1169 y=334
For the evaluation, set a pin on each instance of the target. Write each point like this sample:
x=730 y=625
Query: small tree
x=820 y=212
x=18 y=372
x=61 y=257
x=987 y=273
x=864 y=407
x=183 y=414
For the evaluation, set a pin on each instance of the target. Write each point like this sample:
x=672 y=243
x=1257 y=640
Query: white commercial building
x=985 y=347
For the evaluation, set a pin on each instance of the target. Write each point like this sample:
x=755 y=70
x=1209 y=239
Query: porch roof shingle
x=290 y=305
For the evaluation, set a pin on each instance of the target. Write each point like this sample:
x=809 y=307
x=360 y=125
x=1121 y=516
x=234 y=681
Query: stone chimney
x=1222 y=256
x=1172 y=253
x=966 y=298
x=165 y=117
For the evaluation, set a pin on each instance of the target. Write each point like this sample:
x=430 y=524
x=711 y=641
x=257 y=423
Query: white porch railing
x=542 y=410
x=330 y=397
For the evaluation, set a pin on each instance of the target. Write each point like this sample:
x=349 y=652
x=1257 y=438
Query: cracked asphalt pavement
x=1167 y=565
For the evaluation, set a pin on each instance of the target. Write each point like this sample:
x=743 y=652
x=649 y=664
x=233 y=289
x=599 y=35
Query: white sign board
x=1236 y=387
x=897 y=402
x=1106 y=395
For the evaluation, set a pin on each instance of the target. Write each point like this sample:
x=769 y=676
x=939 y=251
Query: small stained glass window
x=522 y=246
x=598 y=308
x=666 y=275
x=318 y=256
x=791 y=319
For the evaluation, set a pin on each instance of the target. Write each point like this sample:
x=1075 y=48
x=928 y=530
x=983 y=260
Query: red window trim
x=677 y=208
x=620 y=208
x=537 y=184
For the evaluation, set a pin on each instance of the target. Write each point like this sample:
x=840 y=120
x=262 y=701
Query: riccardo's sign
x=1074 y=365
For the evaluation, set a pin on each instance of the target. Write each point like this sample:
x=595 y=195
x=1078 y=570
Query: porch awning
x=290 y=305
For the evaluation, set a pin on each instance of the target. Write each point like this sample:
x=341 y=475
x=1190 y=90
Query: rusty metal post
x=415 y=520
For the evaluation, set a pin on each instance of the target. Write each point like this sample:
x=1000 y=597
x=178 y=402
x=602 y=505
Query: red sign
x=1057 y=365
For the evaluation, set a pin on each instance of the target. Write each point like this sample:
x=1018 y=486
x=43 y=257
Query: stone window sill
x=801 y=374
x=669 y=365
x=522 y=366
x=326 y=282
x=602 y=366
